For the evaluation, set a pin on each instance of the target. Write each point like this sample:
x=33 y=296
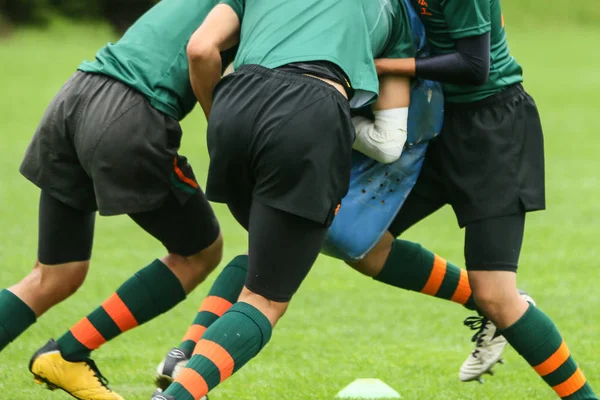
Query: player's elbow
x=389 y=155
x=480 y=74
x=480 y=78
x=199 y=51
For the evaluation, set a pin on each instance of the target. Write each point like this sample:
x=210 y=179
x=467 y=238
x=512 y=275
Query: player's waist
x=293 y=77
x=323 y=70
x=501 y=96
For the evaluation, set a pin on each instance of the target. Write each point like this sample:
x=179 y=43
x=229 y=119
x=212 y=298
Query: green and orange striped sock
x=149 y=293
x=15 y=317
x=412 y=267
x=224 y=292
x=535 y=337
x=232 y=341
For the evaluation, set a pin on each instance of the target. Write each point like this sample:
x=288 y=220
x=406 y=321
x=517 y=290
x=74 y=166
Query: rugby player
x=109 y=142
x=280 y=136
x=488 y=164
x=429 y=273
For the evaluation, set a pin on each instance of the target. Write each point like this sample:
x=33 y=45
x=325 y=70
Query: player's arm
x=219 y=32
x=383 y=138
x=469 y=65
x=469 y=25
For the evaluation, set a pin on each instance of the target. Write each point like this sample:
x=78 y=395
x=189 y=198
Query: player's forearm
x=396 y=66
x=205 y=72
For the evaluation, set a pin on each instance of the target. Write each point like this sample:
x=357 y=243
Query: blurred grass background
x=341 y=326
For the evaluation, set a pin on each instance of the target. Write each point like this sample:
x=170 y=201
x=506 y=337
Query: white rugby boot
x=167 y=372
x=489 y=346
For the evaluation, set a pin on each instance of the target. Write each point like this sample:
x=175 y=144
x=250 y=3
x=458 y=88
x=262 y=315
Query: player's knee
x=193 y=270
x=207 y=260
x=372 y=264
x=496 y=304
x=363 y=266
x=273 y=310
x=55 y=283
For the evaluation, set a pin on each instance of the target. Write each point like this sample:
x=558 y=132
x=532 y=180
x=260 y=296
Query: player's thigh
x=282 y=249
x=185 y=228
x=494 y=244
x=65 y=234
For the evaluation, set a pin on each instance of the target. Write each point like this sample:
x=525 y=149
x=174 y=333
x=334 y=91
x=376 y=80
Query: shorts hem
x=463 y=221
x=58 y=195
x=269 y=295
x=315 y=217
x=493 y=267
x=132 y=208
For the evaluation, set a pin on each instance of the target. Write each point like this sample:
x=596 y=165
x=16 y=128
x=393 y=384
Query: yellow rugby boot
x=81 y=380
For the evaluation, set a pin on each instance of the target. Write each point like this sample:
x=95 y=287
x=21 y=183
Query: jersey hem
x=472 y=31
x=358 y=86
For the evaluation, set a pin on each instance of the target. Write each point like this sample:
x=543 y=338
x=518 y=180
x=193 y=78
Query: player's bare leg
x=530 y=332
x=409 y=266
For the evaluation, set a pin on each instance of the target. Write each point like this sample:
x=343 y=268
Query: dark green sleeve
x=402 y=41
x=236 y=5
x=467 y=17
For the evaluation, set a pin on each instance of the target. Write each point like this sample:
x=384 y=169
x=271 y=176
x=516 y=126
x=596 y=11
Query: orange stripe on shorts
x=463 y=290
x=87 y=334
x=437 y=276
x=216 y=305
x=218 y=355
x=571 y=385
x=182 y=177
x=554 y=361
x=193 y=382
x=194 y=333
x=119 y=313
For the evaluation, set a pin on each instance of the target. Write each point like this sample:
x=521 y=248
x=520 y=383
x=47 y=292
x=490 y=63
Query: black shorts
x=488 y=161
x=488 y=164
x=281 y=139
x=102 y=146
x=66 y=234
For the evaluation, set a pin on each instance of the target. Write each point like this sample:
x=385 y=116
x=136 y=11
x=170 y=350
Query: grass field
x=341 y=326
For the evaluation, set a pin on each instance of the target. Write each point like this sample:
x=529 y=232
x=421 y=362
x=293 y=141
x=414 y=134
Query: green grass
x=340 y=326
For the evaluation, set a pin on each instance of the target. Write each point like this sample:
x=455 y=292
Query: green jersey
x=447 y=20
x=279 y=32
x=389 y=28
x=151 y=56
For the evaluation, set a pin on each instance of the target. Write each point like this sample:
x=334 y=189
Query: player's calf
x=224 y=292
x=489 y=346
x=40 y=290
x=48 y=285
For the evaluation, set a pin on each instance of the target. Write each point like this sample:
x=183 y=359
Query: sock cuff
x=240 y=261
x=261 y=321
x=16 y=311
x=163 y=285
x=533 y=327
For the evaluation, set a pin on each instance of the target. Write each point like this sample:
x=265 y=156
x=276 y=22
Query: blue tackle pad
x=378 y=191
